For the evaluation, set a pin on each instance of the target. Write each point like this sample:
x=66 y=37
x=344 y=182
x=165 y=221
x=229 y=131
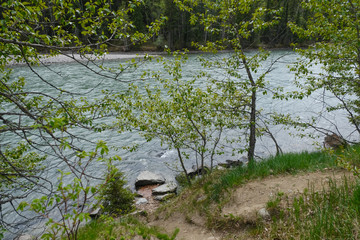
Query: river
x=152 y=155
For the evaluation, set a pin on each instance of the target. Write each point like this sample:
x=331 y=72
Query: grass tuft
x=332 y=213
x=121 y=229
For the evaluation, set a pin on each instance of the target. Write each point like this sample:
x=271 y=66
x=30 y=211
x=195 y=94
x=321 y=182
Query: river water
x=158 y=158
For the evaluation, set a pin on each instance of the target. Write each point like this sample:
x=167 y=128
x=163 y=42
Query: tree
x=233 y=26
x=334 y=26
x=184 y=116
x=40 y=124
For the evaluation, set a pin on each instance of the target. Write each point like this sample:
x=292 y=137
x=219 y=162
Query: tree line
x=177 y=31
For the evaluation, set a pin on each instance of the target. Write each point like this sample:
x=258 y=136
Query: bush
x=117 y=199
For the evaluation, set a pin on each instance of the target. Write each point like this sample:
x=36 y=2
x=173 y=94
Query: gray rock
x=231 y=163
x=165 y=188
x=197 y=170
x=148 y=178
x=141 y=201
x=164 y=197
x=218 y=167
x=334 y=141
x=264 y=214
x=24 y=237
x=95 y=213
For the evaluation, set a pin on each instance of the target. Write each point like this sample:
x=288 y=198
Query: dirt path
x=247 y=200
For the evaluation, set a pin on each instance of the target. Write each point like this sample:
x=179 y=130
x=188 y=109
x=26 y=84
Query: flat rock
x=24 y=237
x=165 y=188
x=164 y=197
x=141 y=201
x=148 y=178
x=95 y=213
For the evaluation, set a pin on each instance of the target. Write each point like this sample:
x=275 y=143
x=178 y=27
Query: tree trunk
x=252 y=122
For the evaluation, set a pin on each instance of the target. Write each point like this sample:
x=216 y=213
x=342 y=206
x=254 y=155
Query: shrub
x=117 y=199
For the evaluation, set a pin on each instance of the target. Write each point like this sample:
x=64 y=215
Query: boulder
x=197 y=170
x=148 y=178
x=95 y=213
x=164 y=197
x=140 y=201
x=165 y=188
x=231 y=163
x=24 y=237
x=264 y=214
x=334 y=141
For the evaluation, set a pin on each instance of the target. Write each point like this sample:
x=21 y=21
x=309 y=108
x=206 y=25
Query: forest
x=47 y=168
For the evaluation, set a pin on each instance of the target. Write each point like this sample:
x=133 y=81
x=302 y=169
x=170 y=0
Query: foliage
x=117 y=200
x=183 y=115
x=69 y=205
x=349 y=159
x=37 y=127
x=334 y=25
x=235 y=23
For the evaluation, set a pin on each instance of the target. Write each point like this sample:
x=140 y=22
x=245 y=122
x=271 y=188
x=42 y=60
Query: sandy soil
x=247 y=200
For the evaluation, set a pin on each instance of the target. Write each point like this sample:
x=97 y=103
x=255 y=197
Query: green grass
x=288 y=163
x=332 y=213
x=121 y=229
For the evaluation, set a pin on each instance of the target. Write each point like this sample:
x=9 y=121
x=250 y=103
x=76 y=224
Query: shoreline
x=74 y=57
x=70 y=57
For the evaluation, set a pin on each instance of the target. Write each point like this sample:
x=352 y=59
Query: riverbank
x=74 y=57
x=285 y=197
x=68 y=57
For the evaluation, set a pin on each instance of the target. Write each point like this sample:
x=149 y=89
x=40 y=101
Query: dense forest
x=178 y=31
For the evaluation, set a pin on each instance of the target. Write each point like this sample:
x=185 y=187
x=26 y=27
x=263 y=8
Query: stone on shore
x=165 y=188
x=24 y=237
x=264 y=214
x=148 y=178
x=141 y=201
x=197 y=170
x=164 y=197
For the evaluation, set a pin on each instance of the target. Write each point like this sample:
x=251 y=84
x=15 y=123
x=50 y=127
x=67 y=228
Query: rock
x=197 y=170
x=95 y=213
x=219 y=167
x=164 y=197
x=334 y=141
x=24 y=237
x=165 y=188
x=141 y=201
x=148 y=178
x=160 y=155
x=231 y=163
x=264 y=214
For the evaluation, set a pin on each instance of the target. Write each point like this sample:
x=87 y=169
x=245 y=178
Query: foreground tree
x=37 y=127
x=233 y=25
x=335 y=29
x=183 y=115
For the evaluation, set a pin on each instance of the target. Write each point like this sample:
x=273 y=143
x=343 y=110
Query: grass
x=288 y=163
x=332 y=213
x=121 y=229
